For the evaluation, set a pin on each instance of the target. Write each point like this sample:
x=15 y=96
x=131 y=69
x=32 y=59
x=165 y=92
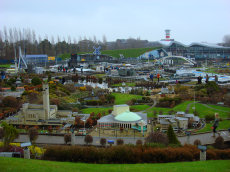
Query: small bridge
x=190 y=61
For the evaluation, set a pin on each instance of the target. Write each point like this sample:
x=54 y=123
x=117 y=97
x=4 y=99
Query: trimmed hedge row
x=130 y=154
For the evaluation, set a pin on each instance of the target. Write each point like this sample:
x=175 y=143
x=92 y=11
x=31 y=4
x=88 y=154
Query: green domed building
x=122 y=117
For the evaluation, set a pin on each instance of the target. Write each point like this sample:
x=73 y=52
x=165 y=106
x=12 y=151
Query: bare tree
x=226 y=40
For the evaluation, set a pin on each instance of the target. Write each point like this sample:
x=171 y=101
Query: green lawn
x=220 y=108
x=5 y=65
x=140 y=107
x=203 y=110
x=225 y=124
x=96 y=110
x=121 y=98
x=133 y=52
x=180 y=107
x=22 y=165
x=129 y=84
x=101 y=110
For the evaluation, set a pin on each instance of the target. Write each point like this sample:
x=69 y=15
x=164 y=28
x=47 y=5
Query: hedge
x=130 y=154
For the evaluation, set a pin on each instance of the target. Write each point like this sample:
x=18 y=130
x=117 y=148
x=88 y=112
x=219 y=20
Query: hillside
x=133 y=52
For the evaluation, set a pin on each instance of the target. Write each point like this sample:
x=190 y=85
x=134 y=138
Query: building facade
x=196 y=50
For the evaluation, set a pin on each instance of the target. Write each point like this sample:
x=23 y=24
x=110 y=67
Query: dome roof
x=127 y=116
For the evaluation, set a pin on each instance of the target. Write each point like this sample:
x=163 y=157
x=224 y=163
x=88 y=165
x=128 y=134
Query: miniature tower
x=46 y=100
x=167 y=36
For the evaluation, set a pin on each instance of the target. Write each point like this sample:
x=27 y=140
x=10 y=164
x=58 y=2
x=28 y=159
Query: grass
x=101 y=110
x=225 y=124
x=121 y=98
x=5 y=65
x=180 y=107
x=203 y=110
x=129 y=84
x=96 y=110
x=101 y=75
x=220 y=108
x=23 y=165
x=140 y=107
x=133 y=52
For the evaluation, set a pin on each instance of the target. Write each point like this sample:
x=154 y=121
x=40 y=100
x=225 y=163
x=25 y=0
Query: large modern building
x=196 y=50
x=36 y=59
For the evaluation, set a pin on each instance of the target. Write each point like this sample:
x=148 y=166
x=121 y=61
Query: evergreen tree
x=172 y=136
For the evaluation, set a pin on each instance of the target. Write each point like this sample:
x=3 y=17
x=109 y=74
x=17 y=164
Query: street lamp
x=194 y=100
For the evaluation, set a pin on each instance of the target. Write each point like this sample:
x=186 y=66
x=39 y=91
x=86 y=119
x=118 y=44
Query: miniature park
x=96 y=108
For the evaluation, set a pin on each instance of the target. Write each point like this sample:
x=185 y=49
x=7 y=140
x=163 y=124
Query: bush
x=1 y=133
x=88 y=139
x=103 y=141
x=219 y=143
x=13 y=88
x=197 y=142
x=70 y=87
x=130 y=154
x=36 y=81
x=10 y=101
x=139 y=142
x=33 y=134
x=157 y=137
x=67 y=138
x=209 y=117
x=120 y=141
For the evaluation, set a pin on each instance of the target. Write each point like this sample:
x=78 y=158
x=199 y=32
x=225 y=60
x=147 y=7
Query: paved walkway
x=188 y=106
x=205 y=138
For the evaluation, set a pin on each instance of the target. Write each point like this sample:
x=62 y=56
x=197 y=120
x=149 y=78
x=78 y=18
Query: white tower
x=46 y=100
x=167 y=36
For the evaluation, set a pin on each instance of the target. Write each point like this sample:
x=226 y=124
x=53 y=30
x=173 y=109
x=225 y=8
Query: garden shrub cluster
x=130 y=154
x=169 y=102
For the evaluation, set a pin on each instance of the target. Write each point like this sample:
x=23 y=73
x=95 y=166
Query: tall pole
x=194 y=100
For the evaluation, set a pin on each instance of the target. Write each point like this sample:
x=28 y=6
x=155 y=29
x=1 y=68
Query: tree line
x=31 y=43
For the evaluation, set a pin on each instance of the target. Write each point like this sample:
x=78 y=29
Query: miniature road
x=205 y=138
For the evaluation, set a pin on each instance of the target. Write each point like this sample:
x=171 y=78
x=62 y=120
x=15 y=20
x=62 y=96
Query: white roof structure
x=205 y=44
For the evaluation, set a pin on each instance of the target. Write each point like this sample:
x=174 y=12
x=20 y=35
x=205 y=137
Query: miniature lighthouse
x=167 y=36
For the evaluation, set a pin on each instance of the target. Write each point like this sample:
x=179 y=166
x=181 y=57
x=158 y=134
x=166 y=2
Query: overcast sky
x=189 y=20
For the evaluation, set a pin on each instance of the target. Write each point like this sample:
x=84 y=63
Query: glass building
x=196 y=50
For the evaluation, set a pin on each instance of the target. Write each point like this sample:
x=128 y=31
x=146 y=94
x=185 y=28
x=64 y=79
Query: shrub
x=103 y=141
x=10 y=101
x=70 y=87
x=100 y=80
x=139 y=142
x=88 y=139
x=120 y=141
x=9 y=134
x=209 y=117
x=129 y=154
x=36 y=81
x=67 y=138
x=33 y=134
x=157 y=137
x=219 y=143
x=197 y=142
x=1 y=133
x=13 y=88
